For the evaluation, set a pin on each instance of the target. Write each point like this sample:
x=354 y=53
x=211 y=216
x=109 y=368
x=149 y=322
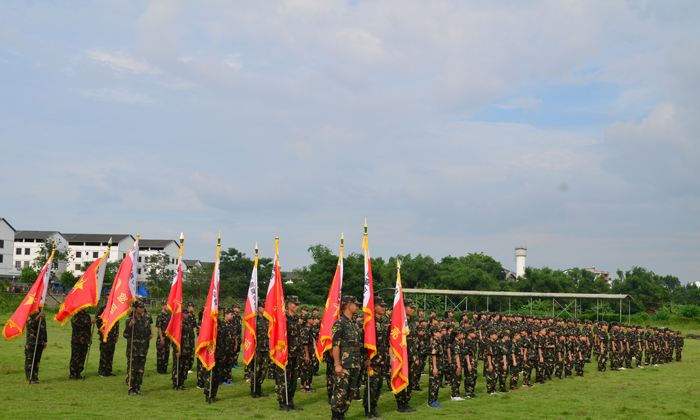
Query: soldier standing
x=457 y=353
x=435 y=367
x=163 y=353
x=237 y=336
x=35 y=346
x=490 y=361
x=229 y=327
x=187 y=343
x=80 y=339
x=680 y=342
x=305 y=370
x=106 y=348
x=262 y=353
x=223 y=343
x=379 y=362
x=287 y=388
x=470 y=363
x=602 y=349
x=346 y=358
x=138 y=333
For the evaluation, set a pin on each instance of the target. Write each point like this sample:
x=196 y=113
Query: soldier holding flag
x=138 y=333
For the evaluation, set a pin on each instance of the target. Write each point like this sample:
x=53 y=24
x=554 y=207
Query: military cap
x=293 y=299
x=185 y=311
x=434 y=329
x=228 y=311
x=469 y=330
x=163 y=303
x=678 y=332
x=588 y=321
x=190 y=303
x=410 y=303
x=236 y=305
x=420 y=328
x=457 y=330
x=378 y=300
x=315 y=308
x=491 y=332
x=261 y=303
x=139 y=304
x=305 y=308
x=348 y=299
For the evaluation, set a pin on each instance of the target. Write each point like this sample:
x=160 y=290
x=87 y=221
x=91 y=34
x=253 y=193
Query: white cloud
x=121 y=61
x=232 y=61
x=522 y=102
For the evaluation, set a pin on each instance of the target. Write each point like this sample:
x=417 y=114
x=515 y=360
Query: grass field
x=668 y=391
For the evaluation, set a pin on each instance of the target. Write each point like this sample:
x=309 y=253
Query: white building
x=150 y=247
x=7 y=239
x=189 y=264
x=28 y=244
x=87 y=247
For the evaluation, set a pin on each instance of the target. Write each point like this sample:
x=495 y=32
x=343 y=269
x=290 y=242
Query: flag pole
x=36 y=344
x=131 y=351
x=255 y=353
x=177 y=380
x=211 y=374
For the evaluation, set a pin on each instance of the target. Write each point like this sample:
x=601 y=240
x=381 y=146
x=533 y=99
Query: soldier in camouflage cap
x=380 y=362
x=163 y=344
x=137 y=333
x=81 y=337
x=347 y=357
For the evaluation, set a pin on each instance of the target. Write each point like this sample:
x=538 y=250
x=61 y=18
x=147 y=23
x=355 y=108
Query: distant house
x=87 y=247
x=28 y=244
x=189 y=264
x=7 y=238
x=596 y=273
x=651 y=311
x=290 y=277
x=510 y=276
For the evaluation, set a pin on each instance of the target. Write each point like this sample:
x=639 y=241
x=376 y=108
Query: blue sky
x=453 y=127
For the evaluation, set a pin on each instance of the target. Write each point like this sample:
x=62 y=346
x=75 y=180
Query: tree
x=195 y=284
x=28 y=275
x=67 y=279
x=158 y=276
x=45 y=252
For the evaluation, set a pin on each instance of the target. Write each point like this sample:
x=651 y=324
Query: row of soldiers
x=508 y=346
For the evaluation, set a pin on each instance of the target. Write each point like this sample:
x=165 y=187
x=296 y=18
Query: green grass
x=663 y=392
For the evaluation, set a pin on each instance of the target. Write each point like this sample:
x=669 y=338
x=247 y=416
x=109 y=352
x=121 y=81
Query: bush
x=689 y=311
x=662 y=315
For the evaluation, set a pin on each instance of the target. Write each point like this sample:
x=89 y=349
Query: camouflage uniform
x=560 y=351
x=515 y=370
x=346 y=337
x=529 y=361
x=229 y=328
x=223 y=338
x=456 y=352
x=437 y=351
x=504 y=349
x=379 y=363
x=35 y=327
x=137 y=354
x=471 y=350
x=540 y=370
x=262 y=356
x=163 y=352
x=490 y=349
x=187 y=344
x=305 y=370
x=602 y=350
x=106 y=348
x=80 y=340
x=286 y=390
x=237 y=333
x=315 y=330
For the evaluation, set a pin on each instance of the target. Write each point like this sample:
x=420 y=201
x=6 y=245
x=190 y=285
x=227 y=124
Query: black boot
x=401 y=408
x=375 y=414
x=368 y=413
x=283 y=406
x=254 y=394
x=294 y=407
x=409 y=409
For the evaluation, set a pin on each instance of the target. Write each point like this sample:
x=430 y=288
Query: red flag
x=368 y=306
x=123 y=290
x=174 y=329
x=397 y=339
x=250 y=339
x=275 y=313
x=86 y=292
x=31 y=304
x=206 y=342
x=331 y=311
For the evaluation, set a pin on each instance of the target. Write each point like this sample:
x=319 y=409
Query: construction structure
x=520 y=254
x=559 y=300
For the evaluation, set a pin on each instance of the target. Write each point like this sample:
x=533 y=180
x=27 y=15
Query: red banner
x=206 y=342
x=31 y=304
x=397 y=338
x=86 y=292
x=331 y=311
x=368 y=306
x=250 y=338
x=174 y=329
x=275 y=313
x=123 y=290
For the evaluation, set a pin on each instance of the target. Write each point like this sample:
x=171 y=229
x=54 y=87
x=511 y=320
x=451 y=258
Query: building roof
x=95 y=237
x=156 y=243
x=34 y=234
x=8 y=223
x=191 y=263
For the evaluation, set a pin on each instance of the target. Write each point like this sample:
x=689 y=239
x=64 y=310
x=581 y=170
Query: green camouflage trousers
x=375 y=387
x=330 y=375
x=202 y=373
x=77 y=359
x=106 y=358
x=470 y=378
x=163 y=354
x=515 y=374
x=28 y=357
x=285 y=390
x=434 y=382
x=344 y=388
x=136 y=373
x=490 y=378
x=602 y=361
x=258 y=370
x=306 y=374
x=215 y=375
x=179 y=373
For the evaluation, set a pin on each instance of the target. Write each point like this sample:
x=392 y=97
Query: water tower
x=520 y=254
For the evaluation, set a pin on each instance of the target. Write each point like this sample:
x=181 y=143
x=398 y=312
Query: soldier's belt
x=350 y=349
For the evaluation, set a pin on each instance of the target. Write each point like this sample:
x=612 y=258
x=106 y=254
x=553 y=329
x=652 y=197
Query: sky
x=568 y=127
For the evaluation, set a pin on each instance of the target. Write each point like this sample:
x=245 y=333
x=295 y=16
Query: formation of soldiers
x=509 y=347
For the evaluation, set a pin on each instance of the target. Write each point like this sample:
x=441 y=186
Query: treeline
x=471 y=272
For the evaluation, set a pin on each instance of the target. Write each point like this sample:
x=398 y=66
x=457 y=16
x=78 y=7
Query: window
x=26 y=251
x=1 y=256
x=139 y=261
x=139 y=272
x=2 y=243
x=18 y=265
x=77 y=267
x=173 y=261
x=18 y=251
x=123 y=255
x=78 y=254
x=26 y=264
x=94 y=255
